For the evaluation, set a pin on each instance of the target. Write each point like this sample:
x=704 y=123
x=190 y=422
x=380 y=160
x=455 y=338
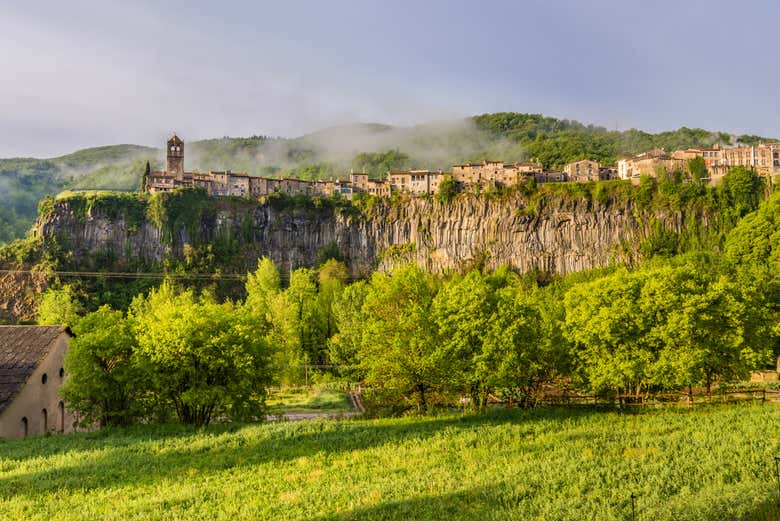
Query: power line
x=129 y=275
x=284 y=276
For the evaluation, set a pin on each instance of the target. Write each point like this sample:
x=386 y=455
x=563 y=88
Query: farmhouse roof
x=22 y=348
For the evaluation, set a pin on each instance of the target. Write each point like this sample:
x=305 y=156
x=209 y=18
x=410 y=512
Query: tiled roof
x=22 y=348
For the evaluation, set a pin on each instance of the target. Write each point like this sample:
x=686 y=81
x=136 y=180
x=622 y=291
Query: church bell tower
x=175 y=157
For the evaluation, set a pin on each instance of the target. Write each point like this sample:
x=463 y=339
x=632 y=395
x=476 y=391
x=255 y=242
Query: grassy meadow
x=707 y=463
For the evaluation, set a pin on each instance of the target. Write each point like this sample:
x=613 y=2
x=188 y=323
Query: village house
x=764 y=158
x=415 y=182
x=583 y=170
x=31 y=375
x=648 y=163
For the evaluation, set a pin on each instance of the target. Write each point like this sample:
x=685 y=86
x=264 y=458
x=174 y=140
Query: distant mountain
x=331 y=152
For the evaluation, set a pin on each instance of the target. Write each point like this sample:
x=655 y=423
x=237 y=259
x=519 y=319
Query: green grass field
x=305 y=400
x=708 y=463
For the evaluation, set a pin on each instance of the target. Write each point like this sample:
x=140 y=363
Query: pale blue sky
x=86 y=73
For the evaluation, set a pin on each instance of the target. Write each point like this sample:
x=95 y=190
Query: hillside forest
x=332 y=152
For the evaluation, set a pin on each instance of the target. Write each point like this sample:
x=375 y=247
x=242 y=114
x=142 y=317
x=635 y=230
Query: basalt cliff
x=559 y=234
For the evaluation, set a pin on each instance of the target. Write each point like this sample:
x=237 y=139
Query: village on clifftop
x=763 y=158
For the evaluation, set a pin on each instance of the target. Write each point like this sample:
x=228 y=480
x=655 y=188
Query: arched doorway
x=25 y=427
x=45 y=421
x=61 y=407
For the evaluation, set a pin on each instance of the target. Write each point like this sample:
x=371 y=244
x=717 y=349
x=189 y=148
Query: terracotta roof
x=22 y=348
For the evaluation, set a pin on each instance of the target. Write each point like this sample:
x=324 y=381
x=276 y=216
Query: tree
x=398 y=353
x=446 y=190
x=462 y=310
x=60 y=306
x=702 y=327
x=697 y=168
x=103 y=383
x=331 y=277
x=344 y=345
x=262 y=286
x=742 y=189
x=665 y=326
x=515 y=357
x=609 y=333
x=145 y=178
x=201 y=355
x=756 y=238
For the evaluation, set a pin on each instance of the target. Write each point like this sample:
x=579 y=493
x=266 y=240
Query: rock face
x=557 y=235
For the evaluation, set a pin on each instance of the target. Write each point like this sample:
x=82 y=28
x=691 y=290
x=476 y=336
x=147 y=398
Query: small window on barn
x=62 y=372
x=44 y=378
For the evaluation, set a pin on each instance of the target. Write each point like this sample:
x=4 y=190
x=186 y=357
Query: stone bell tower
x=175 y=157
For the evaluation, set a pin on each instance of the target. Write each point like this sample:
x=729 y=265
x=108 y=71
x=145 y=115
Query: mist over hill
x=332 y=152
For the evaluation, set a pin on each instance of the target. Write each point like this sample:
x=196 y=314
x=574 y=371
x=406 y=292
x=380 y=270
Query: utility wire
x=144 y=275
x=129 y=275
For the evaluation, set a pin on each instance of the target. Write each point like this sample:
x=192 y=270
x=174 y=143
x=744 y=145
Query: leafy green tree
x=446 y=190
x=516 y=359
x=60 y=306
x=145 y=178
x=332 y=277
x=742 y=188
x=462 y=310
x=609 y=333
x=398 y=353
x=697 y=168
x=201 y=355
x=344 y=345
x=756 y=238
x=262 y=287
x=103 y=383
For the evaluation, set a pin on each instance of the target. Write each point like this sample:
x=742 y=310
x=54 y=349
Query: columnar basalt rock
x=558 y=235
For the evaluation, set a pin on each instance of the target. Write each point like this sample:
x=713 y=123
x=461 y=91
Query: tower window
x=44 y=378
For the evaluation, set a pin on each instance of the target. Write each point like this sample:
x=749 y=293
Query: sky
x=84 y=73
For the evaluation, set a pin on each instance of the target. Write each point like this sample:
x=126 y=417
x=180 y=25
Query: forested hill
x=374 y=148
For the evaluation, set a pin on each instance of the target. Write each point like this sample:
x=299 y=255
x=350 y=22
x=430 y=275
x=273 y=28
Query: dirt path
x=354 y=399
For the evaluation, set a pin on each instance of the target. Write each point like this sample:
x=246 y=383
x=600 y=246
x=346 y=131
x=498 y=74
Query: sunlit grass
x=305 y=400
x=707 y=463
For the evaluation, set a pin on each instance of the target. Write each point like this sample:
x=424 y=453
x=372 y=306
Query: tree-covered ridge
x=555 y=142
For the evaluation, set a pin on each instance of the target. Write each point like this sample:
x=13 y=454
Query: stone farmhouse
x=764 y=158
x=31 y=374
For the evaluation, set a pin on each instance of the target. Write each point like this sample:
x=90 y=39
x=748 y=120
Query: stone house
x=583 y=170
x=31 y=375
x=648 y=163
